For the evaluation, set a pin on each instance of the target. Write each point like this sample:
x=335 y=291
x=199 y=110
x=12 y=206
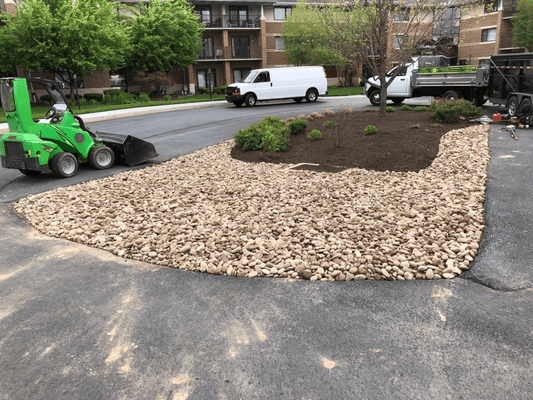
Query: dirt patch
x=397 y=146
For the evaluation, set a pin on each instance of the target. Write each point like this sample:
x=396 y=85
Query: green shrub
x=315 y=134
x=405 y=107
x=367 y=109
x=119 y=97
x=370 y=129
x=136 y=93
x=297 y=125
x=203 y=90
x=83 y=101
x=426 y=130
x=113 y=92
x=46 y=98
x=167 y=97
x=221 y=89
x=415 y=126
x=437 y=125
x=421 y=108
x=271 y=134
x=93 y=96
x=92 y=102
x=390 y=109
x=450 y=110
x=327 y=124
x=144 y=98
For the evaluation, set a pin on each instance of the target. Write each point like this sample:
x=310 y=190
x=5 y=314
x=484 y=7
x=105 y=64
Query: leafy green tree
x=523 y=25
x=76 y=36
x=164 y=35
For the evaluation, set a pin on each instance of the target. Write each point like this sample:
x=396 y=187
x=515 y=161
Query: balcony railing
x=509 y=8
x=506 y=42
x=240 y=52
x=225 y=21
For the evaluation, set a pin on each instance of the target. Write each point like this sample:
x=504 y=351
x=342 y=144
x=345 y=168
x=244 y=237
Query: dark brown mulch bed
x=395 y=147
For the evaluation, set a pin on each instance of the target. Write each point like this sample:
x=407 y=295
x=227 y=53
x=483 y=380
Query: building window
x=240 y=73
x=398 y=40
x=402 y=15
x=446 y=25
x=238 y=15
x=280 y=43
x=280 y=13
x=207 y=52
x=488 y=35
x=491 y=6
x=117 y=79
x=206 y=77
x=240 y=46
x=205 y=14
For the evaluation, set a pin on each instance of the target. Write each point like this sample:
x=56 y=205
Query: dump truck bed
x=467 y=75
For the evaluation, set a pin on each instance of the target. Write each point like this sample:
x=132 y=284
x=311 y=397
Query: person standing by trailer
x=295 y=83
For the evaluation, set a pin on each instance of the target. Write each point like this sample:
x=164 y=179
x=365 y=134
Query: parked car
x=264 y=84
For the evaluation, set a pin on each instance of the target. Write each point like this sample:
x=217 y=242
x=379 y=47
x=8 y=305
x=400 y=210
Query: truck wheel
x=512 y=106
x=398 y=100
x=250 y=100
x=525 y=108
x=101 y=157
x=451 y=95
x=29 y=172
x=375 y=98
x=64 y=165
x=311 y=96
x=238 y=103
x=298 y=99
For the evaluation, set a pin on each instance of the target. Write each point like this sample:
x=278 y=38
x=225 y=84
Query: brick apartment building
x=245 y=34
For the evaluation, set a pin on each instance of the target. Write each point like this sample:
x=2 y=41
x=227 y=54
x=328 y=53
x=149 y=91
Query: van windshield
x=250 y=77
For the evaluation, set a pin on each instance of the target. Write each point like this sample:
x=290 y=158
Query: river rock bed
x=207 y=212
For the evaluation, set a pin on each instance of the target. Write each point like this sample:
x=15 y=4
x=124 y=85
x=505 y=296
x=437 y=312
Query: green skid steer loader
x=61 y=141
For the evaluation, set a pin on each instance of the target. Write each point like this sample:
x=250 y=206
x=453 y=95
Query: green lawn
x=38 y=112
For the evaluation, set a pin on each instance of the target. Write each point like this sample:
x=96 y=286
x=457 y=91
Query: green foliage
x=370 y=129
x=327 y=124
x=415 y=126
x=167 y=97
x=153 y=32
x=450 y=110
x=367 y=109
x=271 y=134
x=112 y=92
x=437 y=125
x=405 y=107
x=315 y=134
x=426 y=130
x=77 y=36
x=390 y=109
x=119 y=97
x=221 y=89
x=83 y=101
x=93 y=102
x=144 y=98
x=94 y=96
x=421 y=108
x=203 y=90
x=345 y=90
x=522 y=27
x=297 y=125
x=46 y=98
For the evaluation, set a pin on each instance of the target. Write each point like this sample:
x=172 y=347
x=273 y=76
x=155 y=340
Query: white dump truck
x=430 y=76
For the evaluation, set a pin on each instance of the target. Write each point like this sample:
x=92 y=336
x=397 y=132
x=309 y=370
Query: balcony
x=506 y=42
x=231 y=53
x=239 y=22
x=509 y=8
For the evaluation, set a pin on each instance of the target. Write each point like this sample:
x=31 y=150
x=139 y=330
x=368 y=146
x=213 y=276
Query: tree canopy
x=523 y=25
x=163 y=35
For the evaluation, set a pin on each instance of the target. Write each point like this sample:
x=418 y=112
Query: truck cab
x=399 y=89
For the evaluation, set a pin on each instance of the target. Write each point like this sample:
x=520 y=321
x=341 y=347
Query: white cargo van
x=264 y=84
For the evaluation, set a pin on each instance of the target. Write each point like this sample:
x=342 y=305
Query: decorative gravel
x=207 y=212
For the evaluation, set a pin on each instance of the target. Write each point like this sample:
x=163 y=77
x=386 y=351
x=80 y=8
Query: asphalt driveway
x=79 y=323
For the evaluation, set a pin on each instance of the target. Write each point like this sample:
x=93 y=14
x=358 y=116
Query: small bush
x=451 y=110
x=117 y=96
x=203 y=90
x=113 y=92
x=92 y=102
x=415 y=126
x=370 y=129
x=405 y=107
x=315 y=134
x=136 y=93
x=167 y=97
x=220 y=89
x=327 y=124
x=271 y=134
x=144 y=98
x=83 y=101
x=421 y=108
x=297 y=126
x=437 y=125
x=390 y=109
x=275 y=139
x=426 y=130
x=93 y=96
x=367 y=109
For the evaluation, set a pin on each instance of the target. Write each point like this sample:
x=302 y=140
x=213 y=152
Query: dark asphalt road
x=80 y=323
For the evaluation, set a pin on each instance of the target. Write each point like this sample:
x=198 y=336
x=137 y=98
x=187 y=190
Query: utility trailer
x=511 y=81
x=431 y=76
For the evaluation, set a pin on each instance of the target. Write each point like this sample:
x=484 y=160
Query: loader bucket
x=128 y=149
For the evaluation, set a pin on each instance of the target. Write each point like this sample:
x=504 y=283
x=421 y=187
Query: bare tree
x=380 y=33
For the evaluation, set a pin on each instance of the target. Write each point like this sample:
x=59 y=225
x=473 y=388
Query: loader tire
x=101 y=157
x=64 y=165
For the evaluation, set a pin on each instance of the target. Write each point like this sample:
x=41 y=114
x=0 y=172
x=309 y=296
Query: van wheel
x=311 y=96
x=298 y=99
x=512 y=106
x=451 y=95
x=375 y=98
x=64 y=165
x=397 y=100
x=238 y=103
x=250 y=100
